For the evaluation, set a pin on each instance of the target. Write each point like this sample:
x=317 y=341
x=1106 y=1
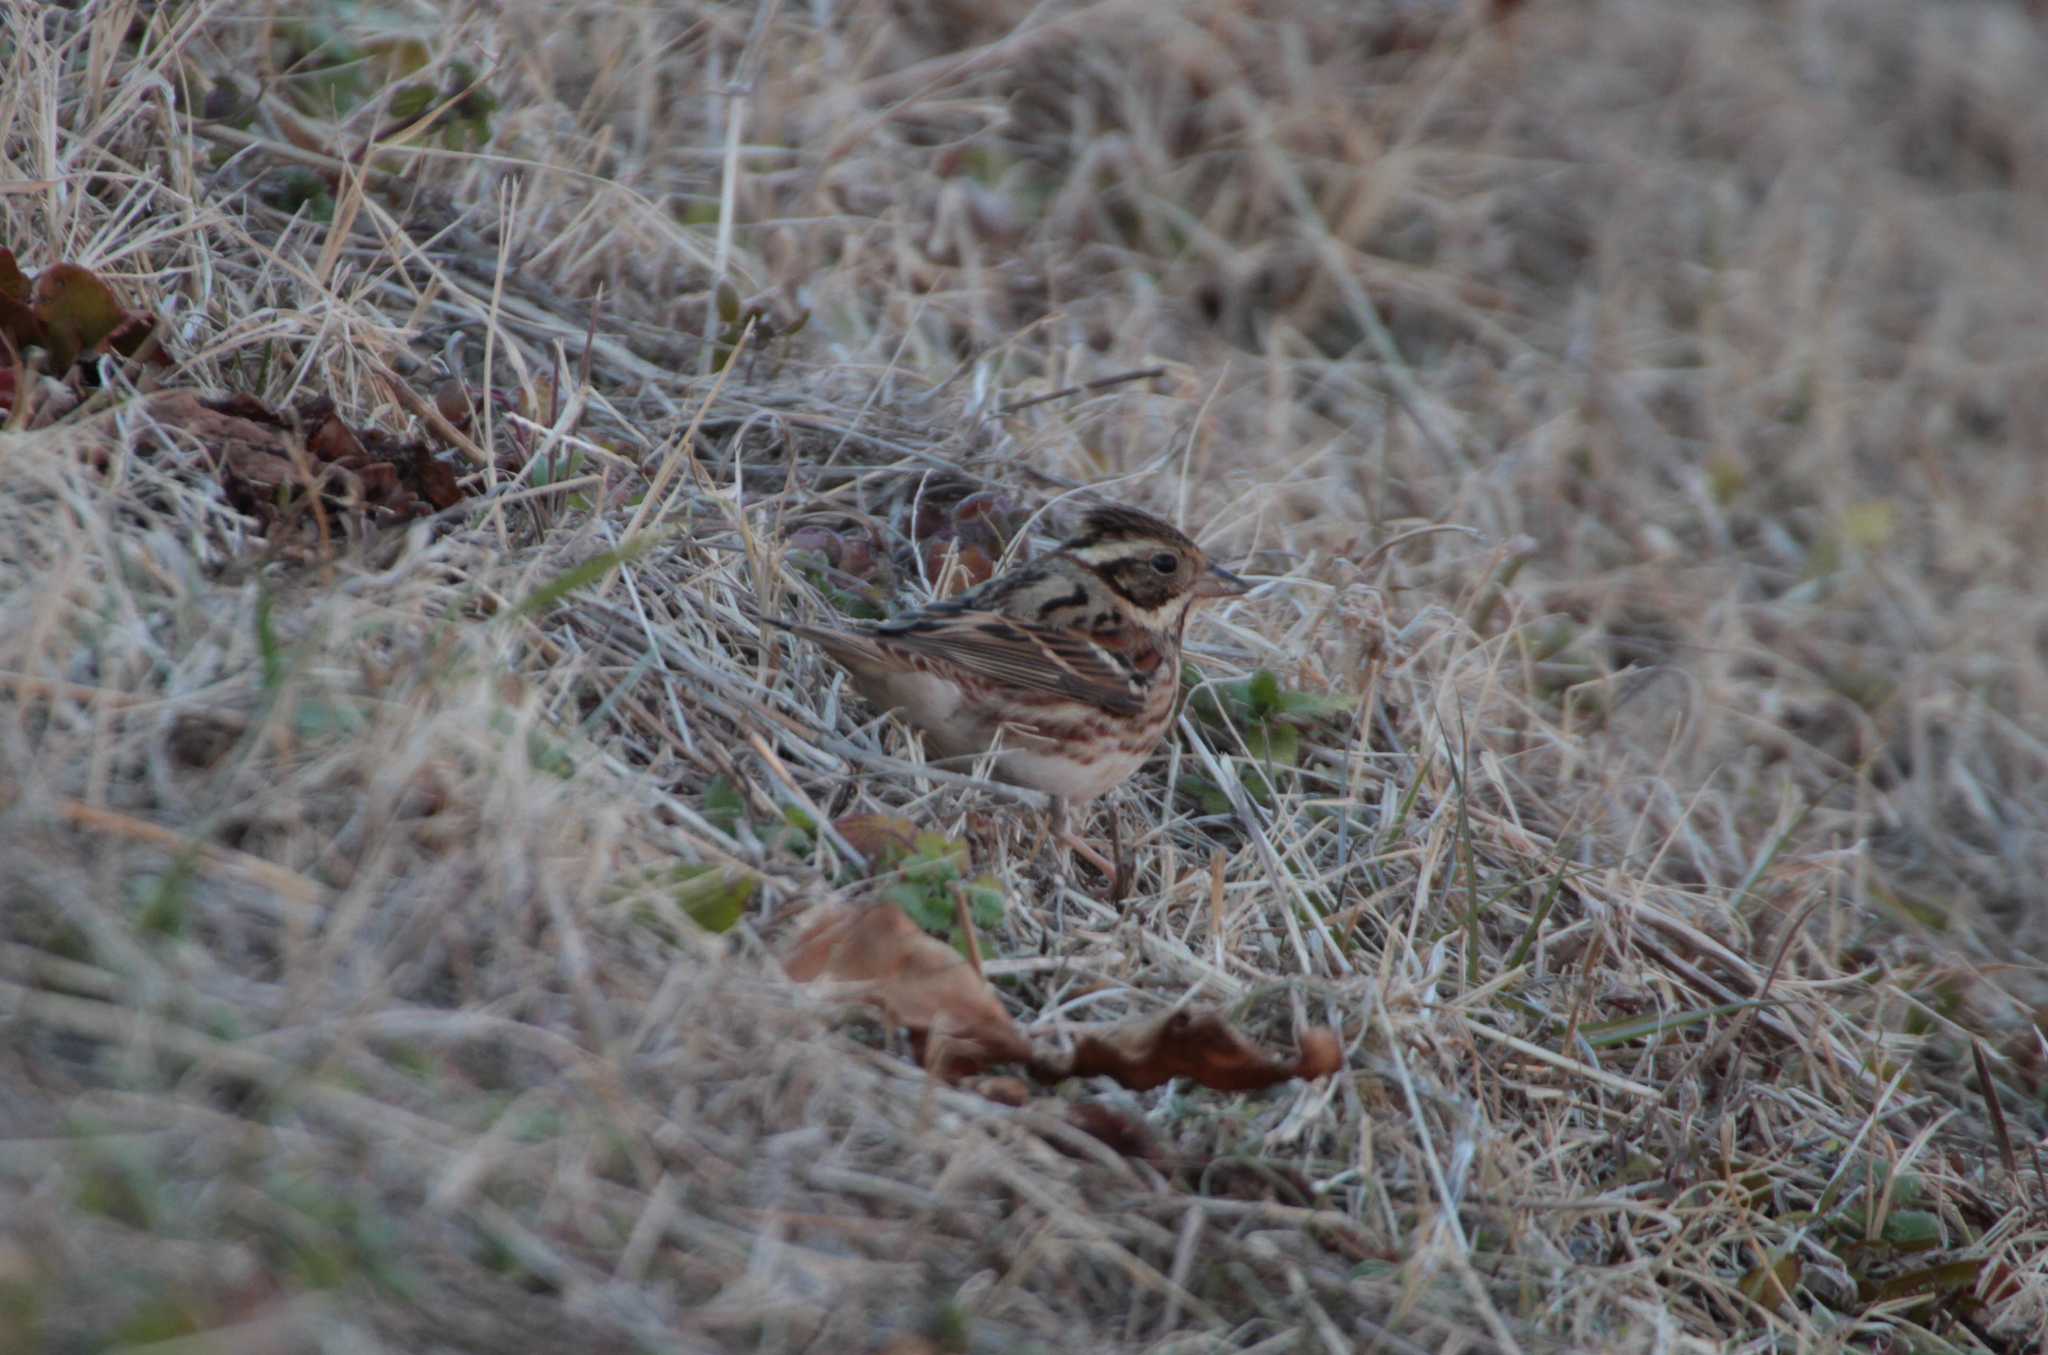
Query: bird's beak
x=1220 y=583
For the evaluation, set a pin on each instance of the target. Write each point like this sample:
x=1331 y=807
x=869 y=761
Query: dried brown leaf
x=77 y=310
x=1199 y=1045
x=880 y=956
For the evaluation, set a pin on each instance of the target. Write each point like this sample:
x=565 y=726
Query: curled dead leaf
x=971 y=565
x=877 y=954
x=77 y=309
x=846 y=547
x=261 y=455
x=1198 y=1045
x=331 y=440
x=884 y=839
x=69 y=312
x=14 y=284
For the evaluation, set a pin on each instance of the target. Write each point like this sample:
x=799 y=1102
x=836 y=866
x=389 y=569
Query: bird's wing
x=1000 y=649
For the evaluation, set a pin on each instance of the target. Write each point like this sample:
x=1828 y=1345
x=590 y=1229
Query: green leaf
x=1314 y=705
x=1771 y=1286
x=410 y=101
x=301 y=190
x=1206 y=794
x=932 y=874
x=796 y=834
x=1274 y=743
x=1944 y=1279
x=940 y=848
x=1529 y=933
x=582 y=576
x=857 y=606
x=267 y=646
x=933 y=914
x=1912 y=1229
x=724 y=806
x=1604 y=1034
x=554 y=469
x=318 y=719
x=786 y=838
x=1904 y=1229
x=713 y=897
x=169 y=897
x=986 y=903
x=1215 y=703
x=1263 y=692
x=1259 y=699
x=546 y=755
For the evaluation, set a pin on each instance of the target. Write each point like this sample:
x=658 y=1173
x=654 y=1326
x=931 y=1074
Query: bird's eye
x=1166 y=562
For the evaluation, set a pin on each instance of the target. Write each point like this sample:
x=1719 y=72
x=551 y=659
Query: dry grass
x=1673 y=877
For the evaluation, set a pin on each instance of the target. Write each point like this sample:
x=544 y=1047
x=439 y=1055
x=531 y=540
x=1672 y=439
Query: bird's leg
x=1053 y=834
x=1064 y=834
x=1048 y=830
x=1120 y=878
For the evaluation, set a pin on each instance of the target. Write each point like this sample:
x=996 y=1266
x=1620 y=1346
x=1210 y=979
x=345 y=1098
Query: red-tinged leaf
x=958 y=1025
x=820 y=541
x=1199 y=1045
x=991 y=506
x=884 y=839
x=331 y=440
x=2004 y=1283
x=14 y=284
x=131 y=338
x=261 y=465
x=19 y=327
x=434 y=481
x=78 y=311
x=860 y=558
x=452 y=402
x=380 y=480
x=846 y=544
x=974 y=563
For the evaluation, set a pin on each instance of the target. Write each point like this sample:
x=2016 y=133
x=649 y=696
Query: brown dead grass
x=1678 y=864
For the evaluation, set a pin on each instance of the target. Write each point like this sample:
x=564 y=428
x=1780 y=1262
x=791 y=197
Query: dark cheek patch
x=1145 y=586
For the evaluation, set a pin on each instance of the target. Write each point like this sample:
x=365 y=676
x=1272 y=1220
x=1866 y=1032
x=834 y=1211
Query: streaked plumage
x=1070 y=661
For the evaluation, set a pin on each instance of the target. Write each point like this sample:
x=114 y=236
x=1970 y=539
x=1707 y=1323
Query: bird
x=1067 y=666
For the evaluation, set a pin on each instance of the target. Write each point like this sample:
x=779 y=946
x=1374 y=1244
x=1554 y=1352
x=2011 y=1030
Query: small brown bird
x=1069 y=662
